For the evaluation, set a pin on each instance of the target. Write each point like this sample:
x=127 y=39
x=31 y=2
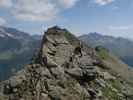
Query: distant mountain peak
x=94 y=33
x=122 y=47
x=12 y=33
x=16 y=49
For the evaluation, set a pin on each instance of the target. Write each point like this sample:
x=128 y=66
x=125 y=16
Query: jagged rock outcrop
x=64 y=69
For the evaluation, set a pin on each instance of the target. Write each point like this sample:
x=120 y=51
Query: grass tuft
x=102 y=52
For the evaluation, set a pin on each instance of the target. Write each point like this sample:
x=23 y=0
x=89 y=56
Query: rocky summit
x=65 y=69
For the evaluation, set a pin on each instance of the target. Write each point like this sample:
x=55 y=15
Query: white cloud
x=103 y=2
x=35 y=10
x=126 y=27
x=67 y=3
x=6 y=3
x=40 y=10
x=2 y=21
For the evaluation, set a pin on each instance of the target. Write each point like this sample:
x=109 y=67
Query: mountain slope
x=16 y=49
x=66 y=69
x=121 y=47
x=114 y=65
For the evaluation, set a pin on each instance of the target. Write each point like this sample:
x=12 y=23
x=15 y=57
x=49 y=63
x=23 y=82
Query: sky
x=109 y=17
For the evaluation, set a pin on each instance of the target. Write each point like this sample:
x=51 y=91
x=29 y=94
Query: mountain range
x=121 y=47
x=67 y=69
x=16 y=49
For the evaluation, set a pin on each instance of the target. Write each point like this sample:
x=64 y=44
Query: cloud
x=40 y=10
x=67 y=3
x=126 y=27
x=35 y=10
x=6 y=3
x=103 y=2
x=2 y=21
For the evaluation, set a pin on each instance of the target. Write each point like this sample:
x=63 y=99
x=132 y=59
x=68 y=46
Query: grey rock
x=83 y=74
x=57 y=72
x=51 y=63
x=75 y=72
x=93 y=94
x=108 y=76
x=56 y=93
x=101 y=83
x=45 y=72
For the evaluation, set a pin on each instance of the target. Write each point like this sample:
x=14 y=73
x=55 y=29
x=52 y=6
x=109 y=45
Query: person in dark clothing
x=78 y=50
x=44 y=60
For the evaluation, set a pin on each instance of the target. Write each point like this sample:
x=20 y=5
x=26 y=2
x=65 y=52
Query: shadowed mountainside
x=16 y=50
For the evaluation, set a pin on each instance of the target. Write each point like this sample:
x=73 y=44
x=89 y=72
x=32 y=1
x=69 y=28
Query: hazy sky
x=111 y=17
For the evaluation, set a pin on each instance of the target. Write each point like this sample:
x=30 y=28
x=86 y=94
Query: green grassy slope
x=115 y=65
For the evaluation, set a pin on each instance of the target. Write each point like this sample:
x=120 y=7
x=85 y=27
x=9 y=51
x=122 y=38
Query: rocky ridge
x=65 y=69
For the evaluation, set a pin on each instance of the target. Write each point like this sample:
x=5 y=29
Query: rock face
x=64 y=69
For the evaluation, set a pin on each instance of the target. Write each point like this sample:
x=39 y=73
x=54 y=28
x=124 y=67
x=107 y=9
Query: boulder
x=75 y=72
x=108 y=76
x=84 y=74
